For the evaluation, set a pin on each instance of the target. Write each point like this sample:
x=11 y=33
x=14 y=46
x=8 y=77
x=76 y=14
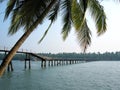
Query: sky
x=53 y=42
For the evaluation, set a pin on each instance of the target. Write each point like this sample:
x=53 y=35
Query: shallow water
x=101 y=75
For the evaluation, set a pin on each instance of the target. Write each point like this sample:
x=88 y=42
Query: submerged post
x=29 y=62
x=45 y=63
x=52 y=63
x=25 y=64
x=49 y=63
x=42 y=63
x=27 y=59
x=10 y=67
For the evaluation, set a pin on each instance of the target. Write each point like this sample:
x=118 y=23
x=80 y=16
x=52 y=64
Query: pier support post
x=57 y=62
x=27 y=59
x=48 y=63
x=25 y=64
x=70 y=62
x=29 y=64
x=52 y=63
x=42 y=63
x=10 y=67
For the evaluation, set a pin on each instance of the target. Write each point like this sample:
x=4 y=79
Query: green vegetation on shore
x=16 y=57
x=90 y=56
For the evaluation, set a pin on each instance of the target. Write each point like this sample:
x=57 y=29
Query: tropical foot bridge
x=45 y=61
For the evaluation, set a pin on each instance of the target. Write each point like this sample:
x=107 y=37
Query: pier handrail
x=33 y=54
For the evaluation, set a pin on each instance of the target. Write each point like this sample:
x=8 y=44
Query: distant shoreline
x=88 y=56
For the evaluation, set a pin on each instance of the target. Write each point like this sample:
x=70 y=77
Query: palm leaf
x=85 y=2
x=45 y=33
x=43 y=15
x=54 y=11
x=15 y=25
x=26 y=15
x=52 y=16
x=99 y=16
x=83 y=5
x=66 y=7
x=10 y=6
x=78 y=15
x=84 y=36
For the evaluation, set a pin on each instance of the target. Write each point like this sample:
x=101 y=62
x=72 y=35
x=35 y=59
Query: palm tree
x=21 y=18
x=28 y=14
x=74 y=15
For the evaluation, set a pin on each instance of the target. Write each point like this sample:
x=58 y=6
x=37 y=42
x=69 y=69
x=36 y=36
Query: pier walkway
x=45 y=61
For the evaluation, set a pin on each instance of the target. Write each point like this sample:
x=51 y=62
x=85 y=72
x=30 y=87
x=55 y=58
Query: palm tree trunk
x=13 y=51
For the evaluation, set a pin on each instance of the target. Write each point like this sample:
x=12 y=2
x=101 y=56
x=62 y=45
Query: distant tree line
x=16 y=57
x=89 y=56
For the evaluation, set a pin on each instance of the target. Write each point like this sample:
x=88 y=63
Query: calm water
x=102 y=75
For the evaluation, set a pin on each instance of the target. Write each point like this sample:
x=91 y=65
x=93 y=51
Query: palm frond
x=66 y=7
x=66 y=29
x=43 y=15
x=83 y=5
x=15 y=25
x=10 y=7
x=31 y=14
x=52 y=16
x=25 y=16
x=99 y=16
x=45 y=33
x=54 y=11
x=78 y=15
x=85 y=2
x=84 y=36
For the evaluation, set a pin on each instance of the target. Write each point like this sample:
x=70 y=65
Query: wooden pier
x=45 y=61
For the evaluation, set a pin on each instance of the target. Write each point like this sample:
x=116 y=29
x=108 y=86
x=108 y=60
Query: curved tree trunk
x=13 y=51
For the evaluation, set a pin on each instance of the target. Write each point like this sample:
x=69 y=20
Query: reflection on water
x=100 y=75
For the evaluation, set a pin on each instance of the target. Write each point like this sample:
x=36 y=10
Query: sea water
x=99 y=75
